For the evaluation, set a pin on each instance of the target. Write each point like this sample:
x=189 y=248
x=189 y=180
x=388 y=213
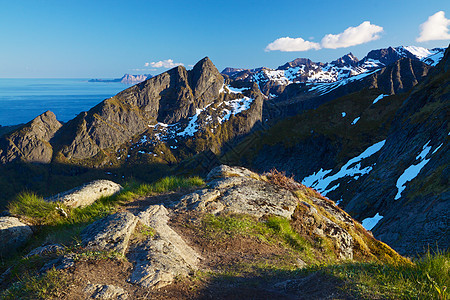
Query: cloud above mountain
x=167 y=64
x=287 y=44
x=435 y=28
x=351 y=36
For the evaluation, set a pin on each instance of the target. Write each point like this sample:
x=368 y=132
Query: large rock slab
x=237 y=190
x=111 y=233
x=13 y=234
x=160 y=259
x=87 y=194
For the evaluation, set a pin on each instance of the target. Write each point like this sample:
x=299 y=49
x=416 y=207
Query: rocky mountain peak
x=385 y=56
x=295 y=63
x=31 y=142
x=205 y=81
x=346 y=60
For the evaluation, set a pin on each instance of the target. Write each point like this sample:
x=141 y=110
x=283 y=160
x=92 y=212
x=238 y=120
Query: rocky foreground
x=183 y=244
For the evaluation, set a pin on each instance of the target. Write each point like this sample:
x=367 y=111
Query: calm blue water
x=21 y=100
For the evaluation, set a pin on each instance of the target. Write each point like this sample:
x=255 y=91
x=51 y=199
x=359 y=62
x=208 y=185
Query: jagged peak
x=296 y=62
x=348 y=59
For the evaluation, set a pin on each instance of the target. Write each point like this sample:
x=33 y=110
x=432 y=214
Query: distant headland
x=127 y=79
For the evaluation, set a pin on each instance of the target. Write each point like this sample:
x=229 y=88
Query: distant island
x=127 y=79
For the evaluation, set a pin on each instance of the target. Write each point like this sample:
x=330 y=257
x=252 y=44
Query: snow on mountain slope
x=305 y=71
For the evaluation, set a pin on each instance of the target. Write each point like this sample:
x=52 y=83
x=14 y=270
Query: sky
x=105 y=39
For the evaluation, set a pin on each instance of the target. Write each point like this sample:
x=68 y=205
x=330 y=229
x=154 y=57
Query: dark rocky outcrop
x=30 y=143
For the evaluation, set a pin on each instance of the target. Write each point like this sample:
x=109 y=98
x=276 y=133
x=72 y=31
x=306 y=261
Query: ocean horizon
x=23 y=99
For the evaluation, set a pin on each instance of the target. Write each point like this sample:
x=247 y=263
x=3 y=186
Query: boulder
x=111 y=233
x=87 y=194
x=237 y=190
x=13 y=234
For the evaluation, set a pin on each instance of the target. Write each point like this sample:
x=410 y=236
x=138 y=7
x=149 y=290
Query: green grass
x=30 y=205
x=427 y=278
x=41 y=212
x=273 y=230
x=51 y=285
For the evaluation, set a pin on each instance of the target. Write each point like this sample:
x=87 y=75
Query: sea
x=21 y=100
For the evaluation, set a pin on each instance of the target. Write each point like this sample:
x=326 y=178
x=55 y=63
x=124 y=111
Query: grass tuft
x=51 y=285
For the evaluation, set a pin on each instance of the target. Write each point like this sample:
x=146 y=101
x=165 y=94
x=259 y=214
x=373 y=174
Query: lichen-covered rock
x=13 y=234
x=87 y=194
x=105 y=291
x=308 y=221
x=237 y=190
x=111 y=233
x=224 y=171
x=163 y=257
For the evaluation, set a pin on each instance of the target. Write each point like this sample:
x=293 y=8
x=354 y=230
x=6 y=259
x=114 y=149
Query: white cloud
x=352 y=36
x=435 y=28
x=168 y=63
x=287 y=44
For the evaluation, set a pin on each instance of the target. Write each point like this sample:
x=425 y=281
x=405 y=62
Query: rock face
x=168 y=98
x=87 y=194
x=111 y=233
x=31 y=143
x=13 y=234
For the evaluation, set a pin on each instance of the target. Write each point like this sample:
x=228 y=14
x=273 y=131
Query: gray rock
x=60 y=263
x=87 y=194
x=43 y=250
x=240 y=195
x=111 y=233
x=31 y=142
x=161 y=258
x=104 y=291
x=13 y=234
x=224 y=171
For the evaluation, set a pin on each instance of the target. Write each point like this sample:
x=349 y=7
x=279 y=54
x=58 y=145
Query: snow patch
x=369 y=223
x=412 y=171
x=321 y=181
x=355 y=120
x=343 y=114
x=379 y=98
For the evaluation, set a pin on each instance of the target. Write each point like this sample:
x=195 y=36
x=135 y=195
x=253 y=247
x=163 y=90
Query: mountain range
x=370 y=134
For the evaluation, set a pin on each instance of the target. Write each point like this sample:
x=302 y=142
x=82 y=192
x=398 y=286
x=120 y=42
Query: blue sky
x=104 y=39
